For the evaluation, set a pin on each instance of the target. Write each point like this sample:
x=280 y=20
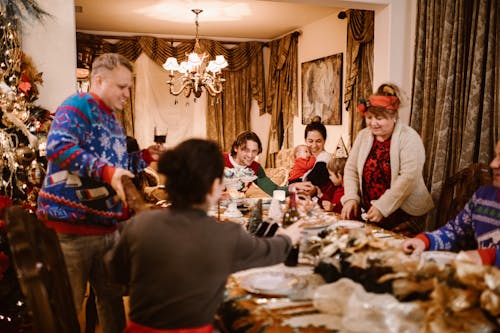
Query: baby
x=330 y=198
x=304 y=161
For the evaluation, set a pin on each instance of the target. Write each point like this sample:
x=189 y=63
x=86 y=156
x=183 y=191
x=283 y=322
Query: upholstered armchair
x=279 y=174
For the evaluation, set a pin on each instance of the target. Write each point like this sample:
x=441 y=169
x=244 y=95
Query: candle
x=279 y=194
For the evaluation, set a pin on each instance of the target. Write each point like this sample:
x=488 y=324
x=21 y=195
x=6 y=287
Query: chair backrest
x=459 y=188
x=41 y=270
x=285 y=158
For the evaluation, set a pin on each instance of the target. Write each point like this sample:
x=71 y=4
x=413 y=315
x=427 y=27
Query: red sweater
x=333 y=194
x=300 y=167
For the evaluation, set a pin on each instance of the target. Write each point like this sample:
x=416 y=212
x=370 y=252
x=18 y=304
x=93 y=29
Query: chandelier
x=194 y=73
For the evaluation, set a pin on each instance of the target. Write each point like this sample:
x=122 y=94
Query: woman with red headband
x=383 y=174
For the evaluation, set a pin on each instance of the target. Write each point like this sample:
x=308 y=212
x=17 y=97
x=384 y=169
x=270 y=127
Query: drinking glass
x=160 y=135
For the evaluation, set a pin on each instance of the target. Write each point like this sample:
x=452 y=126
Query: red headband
x=387 y=102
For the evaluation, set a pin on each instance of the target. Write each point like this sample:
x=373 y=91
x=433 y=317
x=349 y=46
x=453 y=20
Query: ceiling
x=223 y=19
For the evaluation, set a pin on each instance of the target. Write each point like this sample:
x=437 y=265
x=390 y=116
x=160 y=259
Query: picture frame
x=322 y=89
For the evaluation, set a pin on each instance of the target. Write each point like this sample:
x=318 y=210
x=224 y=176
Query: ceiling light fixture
x=194 y=73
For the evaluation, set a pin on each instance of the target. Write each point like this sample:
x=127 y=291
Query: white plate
x=228 y=213
x=348 y=224
x=248 y=179
x=325 y=222
x=272 y=283
x=441 y=257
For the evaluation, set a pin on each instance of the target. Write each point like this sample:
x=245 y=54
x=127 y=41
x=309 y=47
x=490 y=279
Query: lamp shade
x=171 y=64
x=220 y=61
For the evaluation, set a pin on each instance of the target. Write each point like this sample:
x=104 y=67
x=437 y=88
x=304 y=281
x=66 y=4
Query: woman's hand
x=349 y=210
x=413 y=245
x=374 y=215
x=294 y=232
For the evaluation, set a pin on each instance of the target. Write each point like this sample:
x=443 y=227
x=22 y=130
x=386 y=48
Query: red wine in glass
x=160 y=138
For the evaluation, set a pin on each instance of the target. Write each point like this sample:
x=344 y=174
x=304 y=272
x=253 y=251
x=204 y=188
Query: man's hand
x=303 y=188
x=116 y=182
x=413 y=245
x=155 y=151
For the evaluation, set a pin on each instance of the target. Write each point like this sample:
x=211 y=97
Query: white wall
x=52 y=45
x=320 y=39
x=394 y=49
x=393 y=56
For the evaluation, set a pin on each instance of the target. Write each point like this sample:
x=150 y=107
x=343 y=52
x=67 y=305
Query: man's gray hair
x=110 y=61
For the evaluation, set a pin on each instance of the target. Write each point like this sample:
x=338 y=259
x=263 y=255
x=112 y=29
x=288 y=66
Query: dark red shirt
x=333 y=194
x=376 y=172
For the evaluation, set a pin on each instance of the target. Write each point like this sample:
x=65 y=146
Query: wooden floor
x=81 y=315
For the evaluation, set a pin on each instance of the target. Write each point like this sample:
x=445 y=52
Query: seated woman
x=176 y=260
x=242 y=168
x=481 y=215
x=383 y=173
x=315 y=137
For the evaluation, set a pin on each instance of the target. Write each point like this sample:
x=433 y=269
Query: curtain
x=454 y=86
x=282 y=94
x=229 y=113
x=182 y=117
x=359 y=72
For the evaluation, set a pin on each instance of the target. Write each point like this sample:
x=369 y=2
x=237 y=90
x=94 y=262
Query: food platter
x=272 y=283
x=318 y=223
x=440 y=257
x=348 y=224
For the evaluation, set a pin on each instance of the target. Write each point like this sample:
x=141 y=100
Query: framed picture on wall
x=322 y=90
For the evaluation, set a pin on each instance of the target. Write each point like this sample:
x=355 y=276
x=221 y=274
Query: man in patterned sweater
x=481 y=215
x=82 y=197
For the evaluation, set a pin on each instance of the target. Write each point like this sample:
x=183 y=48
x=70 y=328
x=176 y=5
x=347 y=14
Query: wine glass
x=160 y=135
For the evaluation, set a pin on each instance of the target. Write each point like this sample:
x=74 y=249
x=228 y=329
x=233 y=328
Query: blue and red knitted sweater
x=481 y=215
x=85 y=139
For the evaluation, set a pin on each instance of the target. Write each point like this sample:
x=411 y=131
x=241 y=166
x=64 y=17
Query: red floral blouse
x=376 y=172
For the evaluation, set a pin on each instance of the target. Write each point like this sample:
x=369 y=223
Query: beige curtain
x=359 y=58
x=454 y=87
x=282 y=94
x=229 y=113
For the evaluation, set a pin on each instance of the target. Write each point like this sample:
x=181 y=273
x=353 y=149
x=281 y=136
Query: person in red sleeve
x=241 y=167
x=82 y=197
x=331 y=195
x=304 y=161
x=481 y=214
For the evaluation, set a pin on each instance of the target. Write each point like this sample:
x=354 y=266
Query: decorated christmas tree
x=23 y=129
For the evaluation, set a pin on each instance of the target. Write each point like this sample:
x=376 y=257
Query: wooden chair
x=457 y=191
x=41 y=270
x=459 y=188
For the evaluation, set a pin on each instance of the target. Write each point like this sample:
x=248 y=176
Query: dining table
x=279 y=298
